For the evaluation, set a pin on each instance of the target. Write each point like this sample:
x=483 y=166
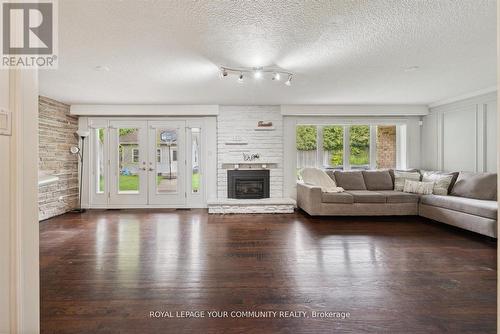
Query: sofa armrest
x=309 y=198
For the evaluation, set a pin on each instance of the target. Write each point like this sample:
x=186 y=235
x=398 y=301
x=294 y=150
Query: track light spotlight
x=240 y=78
x=289 y=81
x=223 y=72
x=276 y=76
x=257 y=73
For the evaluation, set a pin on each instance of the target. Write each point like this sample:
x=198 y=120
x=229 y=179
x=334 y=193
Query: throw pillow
x=378 y=179
x=441 y=182
x=417 y=187
x=319 y=178
x=476 y=185
x=350 y=180
x=400 y=177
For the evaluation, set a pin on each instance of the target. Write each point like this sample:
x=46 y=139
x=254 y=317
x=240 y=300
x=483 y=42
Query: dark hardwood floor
x=105 y=271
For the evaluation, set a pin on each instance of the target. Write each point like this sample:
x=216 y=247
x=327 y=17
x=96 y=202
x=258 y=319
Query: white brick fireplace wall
x=236 y=135
x=239 y=122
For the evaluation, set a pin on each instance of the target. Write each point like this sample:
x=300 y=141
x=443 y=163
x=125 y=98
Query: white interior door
x=167 y=163
x=128 y=172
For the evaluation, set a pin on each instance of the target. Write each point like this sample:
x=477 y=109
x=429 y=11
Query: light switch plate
x=5 y=122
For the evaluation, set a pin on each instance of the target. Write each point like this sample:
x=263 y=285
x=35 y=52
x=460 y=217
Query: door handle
x=143 y=168
x=150 y=169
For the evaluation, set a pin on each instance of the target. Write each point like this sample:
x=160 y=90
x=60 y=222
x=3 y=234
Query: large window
x=346 y=147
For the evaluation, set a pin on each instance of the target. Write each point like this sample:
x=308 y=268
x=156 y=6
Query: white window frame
x=134 y=150
x=346 y=123
x=159 y=155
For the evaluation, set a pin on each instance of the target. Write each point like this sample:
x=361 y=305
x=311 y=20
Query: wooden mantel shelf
x=250 y=165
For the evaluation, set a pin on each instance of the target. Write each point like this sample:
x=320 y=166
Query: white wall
x=241 y=121
x=461 y=136
x=5 y=210
x=19 y=251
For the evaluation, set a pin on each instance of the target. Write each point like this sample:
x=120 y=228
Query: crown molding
x=355 y=110
x=473 y=94
x=144 y=110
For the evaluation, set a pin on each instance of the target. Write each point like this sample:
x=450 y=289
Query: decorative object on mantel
x=251 y=157
x=265 y=126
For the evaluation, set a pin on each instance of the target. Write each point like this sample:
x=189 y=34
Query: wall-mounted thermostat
x=5 y=122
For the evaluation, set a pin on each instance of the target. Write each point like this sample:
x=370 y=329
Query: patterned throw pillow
x=441 y=182
x=401 y=176
x=417 y=187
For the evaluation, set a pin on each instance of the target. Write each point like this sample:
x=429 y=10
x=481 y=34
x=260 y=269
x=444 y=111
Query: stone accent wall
x=386 y=146
x=56 y=131
x=240 y=122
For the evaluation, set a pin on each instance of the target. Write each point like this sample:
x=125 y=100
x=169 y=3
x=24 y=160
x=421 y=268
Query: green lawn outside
x=131 y=182
x=363 y=158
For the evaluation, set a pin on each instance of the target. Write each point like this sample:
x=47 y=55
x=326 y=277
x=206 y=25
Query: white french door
x=147 y=164
x=166 y=162
x=136 y=163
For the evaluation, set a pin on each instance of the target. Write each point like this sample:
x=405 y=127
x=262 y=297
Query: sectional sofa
x=470 y=202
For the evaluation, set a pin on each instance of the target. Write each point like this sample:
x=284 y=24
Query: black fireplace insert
x=248 y=184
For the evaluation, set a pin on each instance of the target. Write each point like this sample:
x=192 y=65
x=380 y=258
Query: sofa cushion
x=378 y=180
x=477 y=207
x=401 y=176
x=366 y=196
x=443 y=181
x=393 y=196
x=350 y=180
x=476 y=185
x=343 y=198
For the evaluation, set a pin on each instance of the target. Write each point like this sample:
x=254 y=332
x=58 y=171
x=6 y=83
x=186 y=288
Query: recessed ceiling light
x=412 y=68
x=101 y=68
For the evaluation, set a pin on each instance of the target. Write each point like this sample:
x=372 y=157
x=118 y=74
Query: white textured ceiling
x=342 y=51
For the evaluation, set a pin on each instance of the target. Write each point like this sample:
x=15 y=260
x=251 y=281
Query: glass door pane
x=195 y=160
x=167 y=163
x=166 y=160
x=99 y=147
x=128 y=157
x=359 y=145
x=129 y=161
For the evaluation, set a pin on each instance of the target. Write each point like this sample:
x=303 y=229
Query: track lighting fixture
x=257 y=72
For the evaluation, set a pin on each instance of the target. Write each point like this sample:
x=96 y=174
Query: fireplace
x=248 y=184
